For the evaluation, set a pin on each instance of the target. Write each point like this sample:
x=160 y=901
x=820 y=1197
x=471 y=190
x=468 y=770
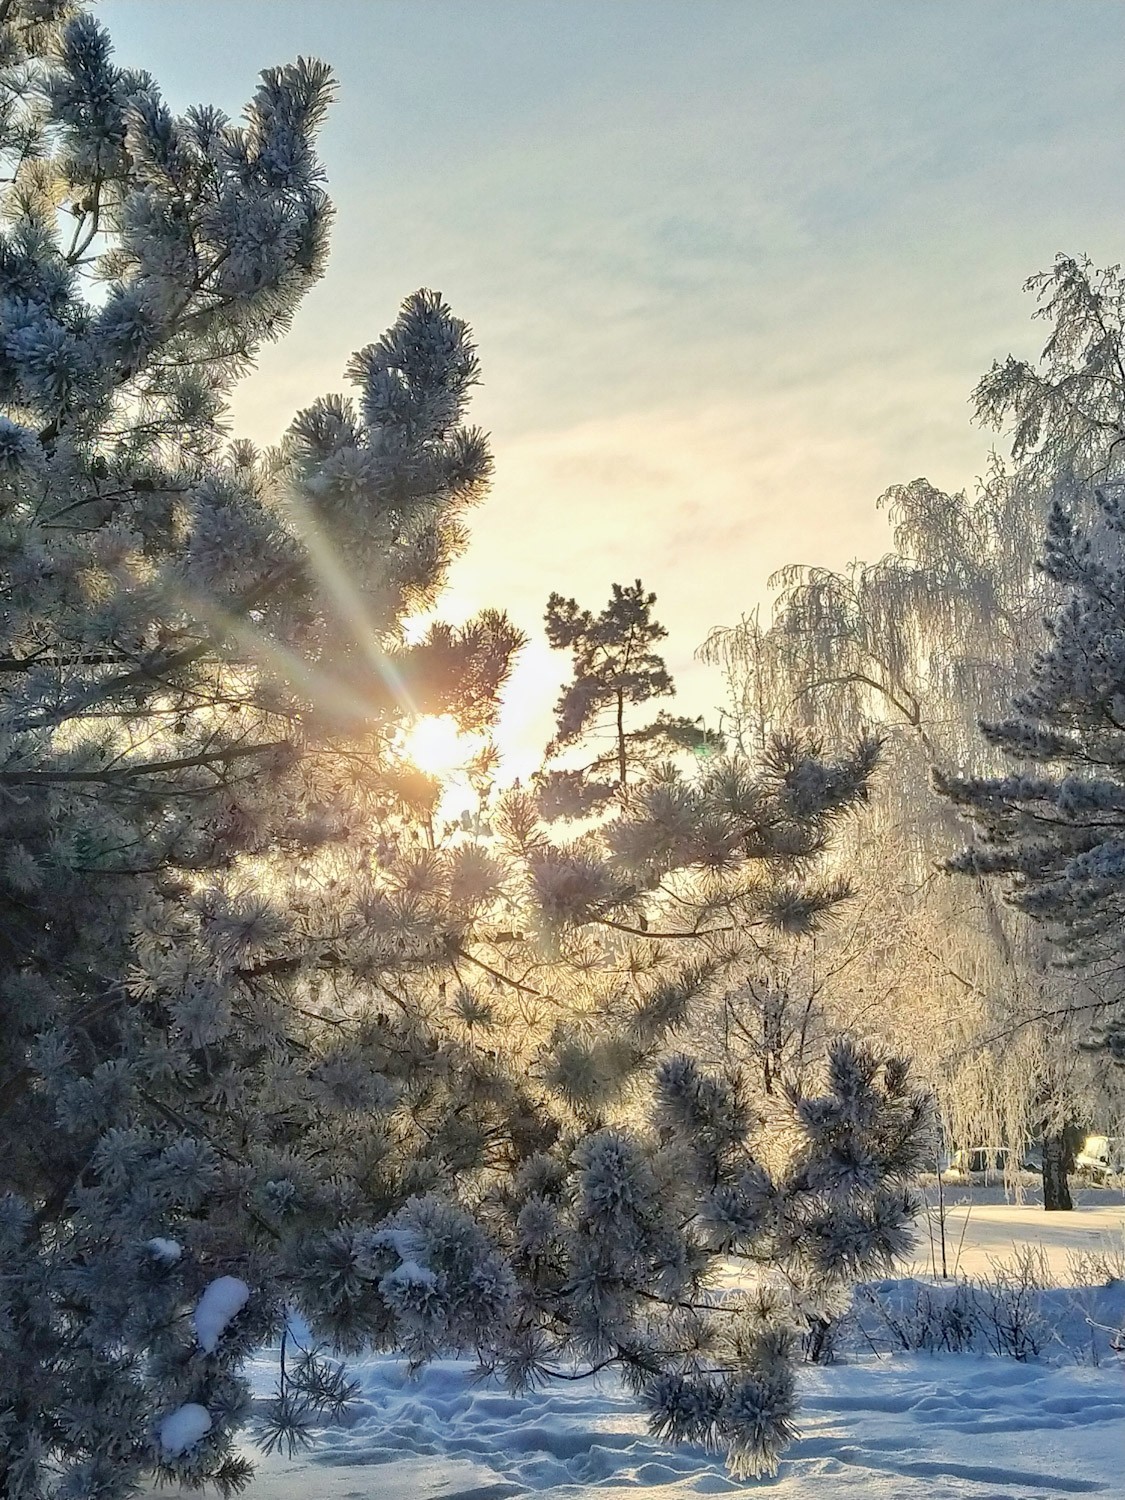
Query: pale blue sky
x=733 y=267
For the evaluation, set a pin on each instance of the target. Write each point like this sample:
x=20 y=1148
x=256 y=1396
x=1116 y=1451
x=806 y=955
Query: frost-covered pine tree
x=171 y=821
x=614 y=670
x=267 y=1042
x=663 y=1168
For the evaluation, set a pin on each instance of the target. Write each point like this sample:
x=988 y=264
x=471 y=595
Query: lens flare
x=438 y=745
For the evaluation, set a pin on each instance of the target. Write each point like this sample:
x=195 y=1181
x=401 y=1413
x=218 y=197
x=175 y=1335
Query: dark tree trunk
x=621 y=768
x=818 y=1341
x=1057 y=1160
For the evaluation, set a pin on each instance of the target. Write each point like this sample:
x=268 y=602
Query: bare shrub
x=1010 y=1304
x=1098 y=1266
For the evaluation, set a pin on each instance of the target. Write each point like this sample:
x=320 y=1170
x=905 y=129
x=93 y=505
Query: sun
x=438 y=745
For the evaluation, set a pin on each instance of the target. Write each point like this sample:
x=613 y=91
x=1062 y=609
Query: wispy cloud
x=733 y=267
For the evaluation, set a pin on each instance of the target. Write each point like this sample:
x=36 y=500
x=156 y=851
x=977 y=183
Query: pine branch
x=146 y=768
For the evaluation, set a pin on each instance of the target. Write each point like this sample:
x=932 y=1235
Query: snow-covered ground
x=902 y=1427
x=981 y=1226
x=896 y=1429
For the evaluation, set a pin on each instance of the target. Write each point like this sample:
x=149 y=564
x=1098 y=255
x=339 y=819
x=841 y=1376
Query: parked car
x=1101 y=1157
x=1032 y=1159
x=984 y=1164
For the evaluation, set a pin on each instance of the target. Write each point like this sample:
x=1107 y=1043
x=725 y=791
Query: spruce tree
x=1053 y=828
x=269 y=1043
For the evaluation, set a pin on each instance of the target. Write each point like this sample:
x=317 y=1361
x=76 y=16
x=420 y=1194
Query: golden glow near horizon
x=779 y=294
x=437 y=745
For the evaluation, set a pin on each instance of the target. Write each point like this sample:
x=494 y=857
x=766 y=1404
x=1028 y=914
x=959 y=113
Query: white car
x=1101 y=1157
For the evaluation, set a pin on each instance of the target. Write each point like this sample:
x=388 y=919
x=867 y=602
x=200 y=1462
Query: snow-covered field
x=941 y=1427
x=981 y=1227
x=901 y=1427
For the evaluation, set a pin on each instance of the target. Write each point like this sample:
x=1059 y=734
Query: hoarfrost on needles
x=408 y=1273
